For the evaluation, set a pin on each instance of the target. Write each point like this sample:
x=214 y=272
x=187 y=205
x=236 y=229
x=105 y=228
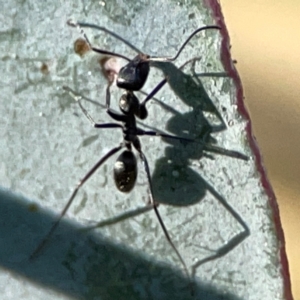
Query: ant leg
x=154 y=205
x=234 y=242
x=162 y=59
x=116 y=116
x=206 y=147
x=154 y=91
x=84 y=97
x=107 y=100
x=164 y=81
x=78 y=186
x=77 y=98
x=155 y=133
x=97 y=50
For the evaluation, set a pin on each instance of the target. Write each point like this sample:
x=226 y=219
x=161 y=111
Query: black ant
x=134 y=74
x=131 y=78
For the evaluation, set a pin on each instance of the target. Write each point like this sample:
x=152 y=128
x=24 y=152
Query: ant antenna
x=101 y=28
x=78 y=25
x=164 y=59
x=134 y=74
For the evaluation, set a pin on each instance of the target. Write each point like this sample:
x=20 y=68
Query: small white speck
x=175 y=173
x=119 y=165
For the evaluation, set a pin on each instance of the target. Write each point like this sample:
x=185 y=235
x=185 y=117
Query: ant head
x=134 y=75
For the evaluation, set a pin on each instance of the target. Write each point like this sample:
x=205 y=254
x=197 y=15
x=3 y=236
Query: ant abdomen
x=125 y=171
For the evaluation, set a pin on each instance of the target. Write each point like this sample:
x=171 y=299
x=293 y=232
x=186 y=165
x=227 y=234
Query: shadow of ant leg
x=120 y=218
x=210 y=74
x=163 y=82
x=232 y=243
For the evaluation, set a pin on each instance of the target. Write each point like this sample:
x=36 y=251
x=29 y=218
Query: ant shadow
x=175 y=182
x=193 y=125
x=190 y=90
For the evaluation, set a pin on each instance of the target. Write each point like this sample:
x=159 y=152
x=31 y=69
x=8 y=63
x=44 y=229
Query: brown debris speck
x=81 y=47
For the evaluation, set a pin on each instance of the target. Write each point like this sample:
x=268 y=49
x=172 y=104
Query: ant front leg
x=77 y=97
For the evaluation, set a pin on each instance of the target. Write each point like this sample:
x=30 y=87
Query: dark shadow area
x=85 y=266
x=190 y=90
x=189 y=187
x=174 y=180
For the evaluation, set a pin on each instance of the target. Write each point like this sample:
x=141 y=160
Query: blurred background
x=265 y=39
